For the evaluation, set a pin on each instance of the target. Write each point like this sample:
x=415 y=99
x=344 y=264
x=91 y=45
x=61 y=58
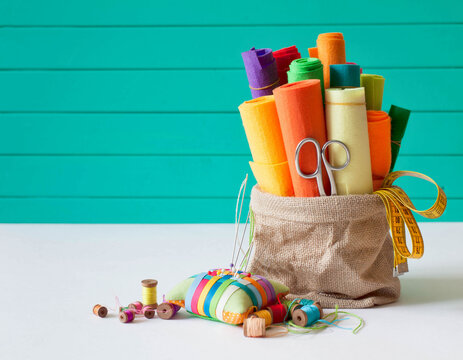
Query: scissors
x=321 y=155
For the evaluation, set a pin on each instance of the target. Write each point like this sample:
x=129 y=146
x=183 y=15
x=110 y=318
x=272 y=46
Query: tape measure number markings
x=399 y=210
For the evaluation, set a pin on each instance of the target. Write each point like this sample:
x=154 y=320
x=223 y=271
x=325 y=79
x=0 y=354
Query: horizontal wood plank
x=182 y=134
x=142 y=12
x=139 y=211
x=174 y=176
x=203 y=47
x=194 y=90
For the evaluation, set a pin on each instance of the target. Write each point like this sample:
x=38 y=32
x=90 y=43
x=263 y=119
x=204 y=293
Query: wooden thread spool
x=148 y=311
x=254 y=327
x=300 y=317
x=295 y=306
x=150 y=292
x=100 y=310
x=278 y=312
x=136 y=306
x=166 y=311
x=264 y=314
x=126 y=316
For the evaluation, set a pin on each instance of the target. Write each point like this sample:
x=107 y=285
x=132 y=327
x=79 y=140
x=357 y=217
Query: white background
x=52 y=275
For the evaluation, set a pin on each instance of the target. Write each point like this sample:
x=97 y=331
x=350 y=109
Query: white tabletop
x=52 y=275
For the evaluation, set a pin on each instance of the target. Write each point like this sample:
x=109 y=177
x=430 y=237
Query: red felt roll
x=284 y=57
x=300 y=111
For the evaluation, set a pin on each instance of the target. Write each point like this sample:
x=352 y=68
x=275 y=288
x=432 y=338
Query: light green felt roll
x=374 y=87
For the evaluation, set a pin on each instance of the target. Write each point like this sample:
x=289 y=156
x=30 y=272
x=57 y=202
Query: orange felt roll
x=313 y=52
x=300 y=110
x=262 y=127
x=331 y=50
x=379 y=134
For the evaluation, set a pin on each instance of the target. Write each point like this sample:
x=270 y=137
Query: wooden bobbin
x=295 y=307
x=166 y=311
x=254 y=327
x=148 y=311
x=100 y=310
x=300 y=317
x=123 y=317
x=150 y=283
x=134 y=305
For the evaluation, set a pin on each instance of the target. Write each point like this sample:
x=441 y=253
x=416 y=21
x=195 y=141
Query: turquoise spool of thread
x=307 y=315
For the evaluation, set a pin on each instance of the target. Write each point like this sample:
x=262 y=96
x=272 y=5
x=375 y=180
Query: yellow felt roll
x=346 y=121
x=274 y=179
x=262 y=127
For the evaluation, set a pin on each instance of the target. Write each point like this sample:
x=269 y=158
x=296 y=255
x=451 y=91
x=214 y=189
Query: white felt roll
x=346 y=121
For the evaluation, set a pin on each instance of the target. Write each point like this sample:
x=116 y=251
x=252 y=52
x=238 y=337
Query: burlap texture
x=334 y=249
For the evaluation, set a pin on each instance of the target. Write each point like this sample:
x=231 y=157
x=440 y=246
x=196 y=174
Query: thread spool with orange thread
x=100 y=310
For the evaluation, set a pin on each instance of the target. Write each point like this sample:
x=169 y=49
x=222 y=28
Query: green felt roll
x=306 y=68
x=374 y=87
x=399 y=119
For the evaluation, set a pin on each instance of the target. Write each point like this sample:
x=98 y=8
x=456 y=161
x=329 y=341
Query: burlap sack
x=334 y=249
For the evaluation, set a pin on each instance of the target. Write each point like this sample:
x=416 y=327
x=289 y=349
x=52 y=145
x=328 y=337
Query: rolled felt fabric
x=399 y=119
x=374 y=87
x=300 y=110
x=262 y=127
x=346 y=121
x=306 y=68
x=283 y=58
x=313 y=52
x=352 y=63
x=261 y=69
x=331 y=50
x=344 y=75
x=379 y=133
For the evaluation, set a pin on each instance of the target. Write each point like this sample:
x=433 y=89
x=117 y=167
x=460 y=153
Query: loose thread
x=293 y=328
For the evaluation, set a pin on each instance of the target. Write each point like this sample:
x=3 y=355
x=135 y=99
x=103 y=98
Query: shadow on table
x=417 y=291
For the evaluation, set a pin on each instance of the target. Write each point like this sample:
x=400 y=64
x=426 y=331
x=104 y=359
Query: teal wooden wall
x=126 y=111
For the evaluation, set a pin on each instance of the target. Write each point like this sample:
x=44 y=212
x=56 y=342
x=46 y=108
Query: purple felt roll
x=261 y=69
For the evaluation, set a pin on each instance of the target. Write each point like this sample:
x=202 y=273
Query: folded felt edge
x=274 y=179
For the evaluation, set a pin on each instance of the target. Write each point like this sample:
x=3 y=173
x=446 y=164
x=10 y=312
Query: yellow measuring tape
x=399 y=213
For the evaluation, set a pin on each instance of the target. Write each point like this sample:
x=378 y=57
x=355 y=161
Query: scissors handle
x=318 y=171
x=330 y=168
x=319 y=153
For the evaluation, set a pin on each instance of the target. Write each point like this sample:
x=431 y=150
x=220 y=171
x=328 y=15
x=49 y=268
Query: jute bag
x=333 y=249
